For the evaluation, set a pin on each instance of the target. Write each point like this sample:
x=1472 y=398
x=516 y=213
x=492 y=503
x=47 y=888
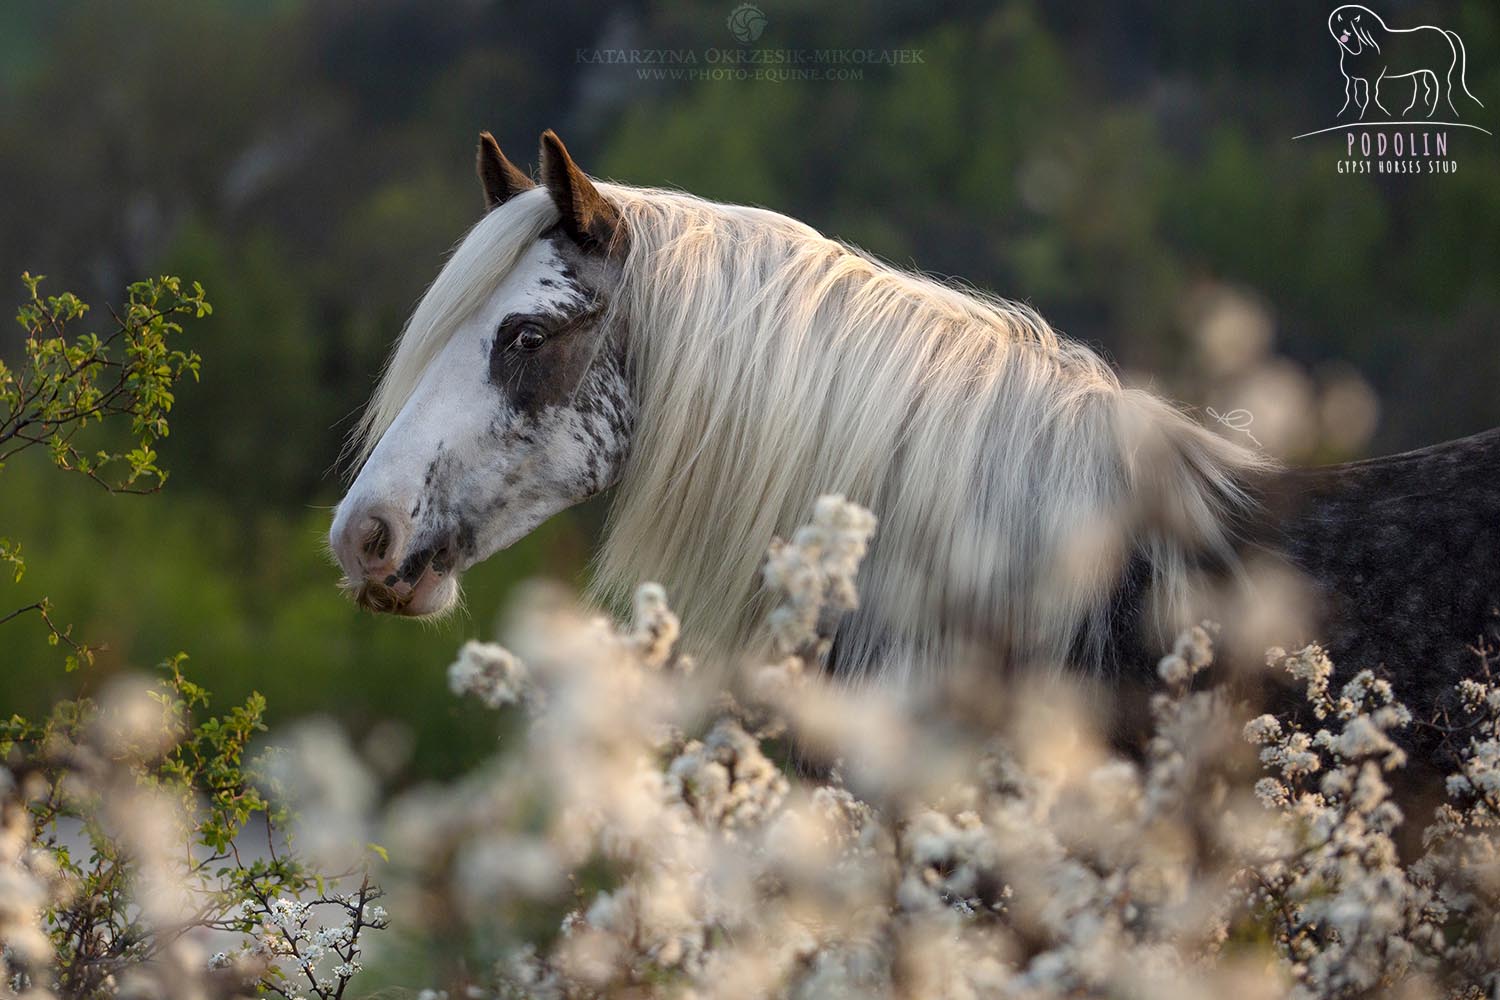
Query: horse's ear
x=502 y=179
x=587 y=216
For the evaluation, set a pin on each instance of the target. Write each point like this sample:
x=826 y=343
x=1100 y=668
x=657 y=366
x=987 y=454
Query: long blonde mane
x=1015 y=478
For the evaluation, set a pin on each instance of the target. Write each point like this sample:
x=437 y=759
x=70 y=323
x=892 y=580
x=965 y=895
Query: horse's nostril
x=375 y=536
x=369 y=540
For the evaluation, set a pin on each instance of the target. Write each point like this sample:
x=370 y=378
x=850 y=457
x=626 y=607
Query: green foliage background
x=309 y=163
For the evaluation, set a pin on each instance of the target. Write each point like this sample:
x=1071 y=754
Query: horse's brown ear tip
x=552 y=145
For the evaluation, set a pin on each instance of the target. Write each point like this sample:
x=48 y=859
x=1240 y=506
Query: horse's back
x=1404 y=553
x=1416 y=49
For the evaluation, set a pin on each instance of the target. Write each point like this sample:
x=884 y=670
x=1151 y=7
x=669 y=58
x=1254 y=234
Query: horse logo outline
x=1371 y=53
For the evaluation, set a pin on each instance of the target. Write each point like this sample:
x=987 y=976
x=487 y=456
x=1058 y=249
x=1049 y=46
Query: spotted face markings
x=562 y=428
x=524 y=411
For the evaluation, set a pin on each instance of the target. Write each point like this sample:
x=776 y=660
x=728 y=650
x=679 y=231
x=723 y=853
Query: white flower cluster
x=116 y=843
x=317 y=955
x=816 y=572
x=488 y=672
x=92 y=772
x=1462 y=865
x=29 y=882
x=1348 y=915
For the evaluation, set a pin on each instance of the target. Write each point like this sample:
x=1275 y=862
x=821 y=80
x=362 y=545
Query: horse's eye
x=530 y=337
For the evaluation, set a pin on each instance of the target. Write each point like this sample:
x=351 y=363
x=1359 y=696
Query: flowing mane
x=1016 y=480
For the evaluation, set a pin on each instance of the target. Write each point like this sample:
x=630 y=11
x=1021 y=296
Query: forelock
x=476 y=266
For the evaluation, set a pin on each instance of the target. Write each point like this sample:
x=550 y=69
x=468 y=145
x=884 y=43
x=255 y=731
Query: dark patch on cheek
x=572 y=390
x=551 y=375
x=533 y=381
x=464 y=541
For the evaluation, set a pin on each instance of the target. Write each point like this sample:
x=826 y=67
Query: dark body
x=1400 y=557
x=1403 y=555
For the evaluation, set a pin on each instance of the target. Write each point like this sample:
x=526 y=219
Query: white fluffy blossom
x=488 y=672
x=816 y=571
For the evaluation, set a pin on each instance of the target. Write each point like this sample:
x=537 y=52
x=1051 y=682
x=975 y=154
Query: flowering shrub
x=764 y=831
x=134 y=833
x=134 y=837
x=665 y=828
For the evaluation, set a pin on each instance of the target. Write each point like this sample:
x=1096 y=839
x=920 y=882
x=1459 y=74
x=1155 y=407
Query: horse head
x=506 y=399
x=1353 y=27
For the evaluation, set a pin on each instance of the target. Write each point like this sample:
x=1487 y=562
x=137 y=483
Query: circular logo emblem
x=746 y=22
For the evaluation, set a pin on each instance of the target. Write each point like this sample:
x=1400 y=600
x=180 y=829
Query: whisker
x=374 y=596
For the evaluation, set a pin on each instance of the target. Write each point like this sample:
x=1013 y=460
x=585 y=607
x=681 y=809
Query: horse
x=1371 y=53
x=718 y=367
